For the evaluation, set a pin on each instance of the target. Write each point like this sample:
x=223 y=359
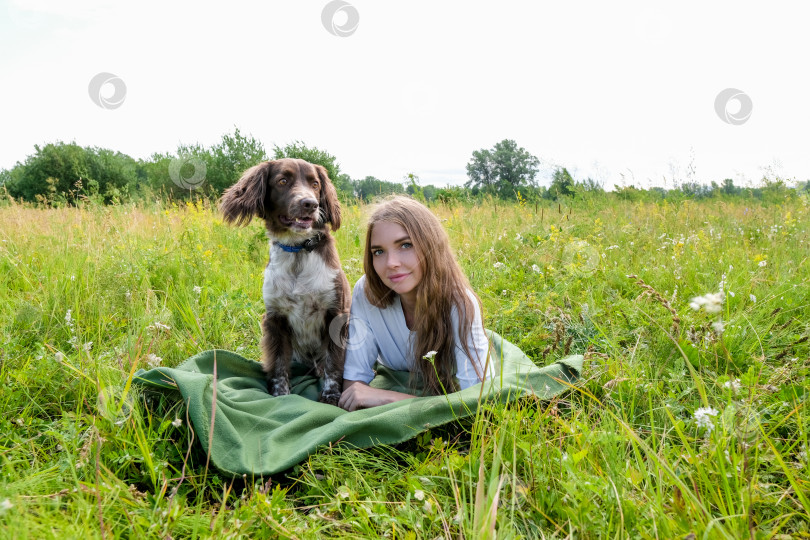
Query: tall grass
x=91 y=294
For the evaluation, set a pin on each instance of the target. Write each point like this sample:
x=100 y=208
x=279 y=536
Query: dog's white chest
x=299 y=286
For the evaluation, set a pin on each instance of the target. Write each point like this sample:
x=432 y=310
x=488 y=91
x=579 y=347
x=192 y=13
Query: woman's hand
x=358 y=395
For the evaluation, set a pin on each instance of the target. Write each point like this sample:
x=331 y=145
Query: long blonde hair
x=443 y=287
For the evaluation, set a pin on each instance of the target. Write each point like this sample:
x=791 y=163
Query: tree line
x=66 y=173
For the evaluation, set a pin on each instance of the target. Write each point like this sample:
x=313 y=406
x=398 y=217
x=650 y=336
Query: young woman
x=413 y=310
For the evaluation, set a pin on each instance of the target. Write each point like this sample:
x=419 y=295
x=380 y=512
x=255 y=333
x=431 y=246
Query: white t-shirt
x=381 y=335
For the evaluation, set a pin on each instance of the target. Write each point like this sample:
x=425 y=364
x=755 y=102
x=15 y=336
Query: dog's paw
x=278 y=387
x=331 y=398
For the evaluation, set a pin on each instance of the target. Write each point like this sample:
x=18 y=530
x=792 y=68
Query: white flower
x=763 y=263
x=6 y=505
x=535 y=268
x=430 y=355
x=160 y=326
x=128 y=295
x=177 y=422
x=733 y=384
x=703 y=418
x=498 y=264
x=752 y=298
x=419 y=495
x=711 y=302
x=19 y=421
x=719 y=327
x=88 y=346
x=197 y=289
x=59 y=357
x=153 y=360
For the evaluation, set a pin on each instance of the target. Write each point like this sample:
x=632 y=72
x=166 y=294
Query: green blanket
x=260 y=435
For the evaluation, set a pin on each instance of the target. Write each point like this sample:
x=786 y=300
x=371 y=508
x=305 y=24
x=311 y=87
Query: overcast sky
x=623 y=92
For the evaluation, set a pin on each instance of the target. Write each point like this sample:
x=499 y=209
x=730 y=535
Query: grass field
x=686 y=420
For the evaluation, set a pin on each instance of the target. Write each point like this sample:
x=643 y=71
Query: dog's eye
x=316 y=185
x=283 y=182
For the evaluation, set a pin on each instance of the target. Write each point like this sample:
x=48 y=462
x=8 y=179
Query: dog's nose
x=309 y=204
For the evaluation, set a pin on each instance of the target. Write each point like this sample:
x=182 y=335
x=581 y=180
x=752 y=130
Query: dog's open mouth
x=296 y=222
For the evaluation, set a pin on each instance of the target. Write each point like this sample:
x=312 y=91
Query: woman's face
x=395 y=259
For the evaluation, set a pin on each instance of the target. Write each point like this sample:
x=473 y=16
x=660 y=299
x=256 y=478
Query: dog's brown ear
x=329 y=200
x=245 y=199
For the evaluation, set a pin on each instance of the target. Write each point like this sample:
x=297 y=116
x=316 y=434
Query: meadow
x=690 y=420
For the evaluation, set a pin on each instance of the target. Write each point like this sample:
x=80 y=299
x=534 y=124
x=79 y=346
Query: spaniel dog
x=306 y=294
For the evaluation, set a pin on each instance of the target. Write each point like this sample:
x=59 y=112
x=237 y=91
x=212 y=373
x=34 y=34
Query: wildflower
x=128 y=295
x=703 y=418
x=498 y=265
x=6 y=505
x=153 y=360
x=177 y=422
x=503 y=292
x=160 y=326
x=428 y=508
x=719 y=327
x=197 y=289
x=535 y=268
x=710 y=302
x=763 y=263
x=59 y=357
x=429 y=356
x=19 y=421
x=733 y=384
x=69 y=317
x=88 y=346
x=752 y=298
x=419 y=495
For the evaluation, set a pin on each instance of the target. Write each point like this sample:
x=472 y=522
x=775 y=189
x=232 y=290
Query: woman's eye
x=377 y=252
x=406 y=245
